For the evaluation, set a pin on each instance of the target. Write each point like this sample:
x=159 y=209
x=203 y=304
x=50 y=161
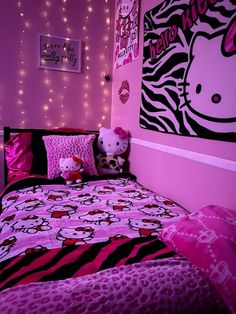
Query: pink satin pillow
x=208 y=239
x=62 y=146
x=18 y=156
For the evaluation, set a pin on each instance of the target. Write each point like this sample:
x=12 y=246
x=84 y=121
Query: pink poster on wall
x=126 y=36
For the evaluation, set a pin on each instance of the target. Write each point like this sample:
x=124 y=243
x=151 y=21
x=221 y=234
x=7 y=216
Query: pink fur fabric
x=172 y=285
x=60 y=146
x=208 y=239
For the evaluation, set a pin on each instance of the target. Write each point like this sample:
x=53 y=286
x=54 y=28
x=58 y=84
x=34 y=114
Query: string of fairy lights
x=25 y=25
x=55 y=98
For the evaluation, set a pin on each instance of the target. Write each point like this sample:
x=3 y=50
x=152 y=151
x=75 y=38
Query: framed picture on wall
x=59 y=53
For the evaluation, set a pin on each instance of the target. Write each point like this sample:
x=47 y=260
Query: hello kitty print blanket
x=52 y=216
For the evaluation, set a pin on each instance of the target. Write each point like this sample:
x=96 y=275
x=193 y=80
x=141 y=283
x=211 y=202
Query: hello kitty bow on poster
x=112 y=143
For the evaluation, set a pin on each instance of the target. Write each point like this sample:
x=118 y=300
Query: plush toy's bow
x=122 y=133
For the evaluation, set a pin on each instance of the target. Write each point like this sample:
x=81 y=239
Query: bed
x=108 y=244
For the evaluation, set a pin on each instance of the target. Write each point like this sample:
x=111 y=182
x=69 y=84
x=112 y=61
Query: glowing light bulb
x=108 y=21
x=103 y=117
x=86 y=48
x=47 y=82
x=64 y=19
x=102 y=83
x=90 y=9
x=44 y=14
x=45 y=107
x=20 y=92
x=99 y=125
x=21 y=14
x=105 y=91
x=50 y=99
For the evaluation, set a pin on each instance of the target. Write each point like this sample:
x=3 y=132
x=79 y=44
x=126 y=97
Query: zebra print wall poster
x=189 y=69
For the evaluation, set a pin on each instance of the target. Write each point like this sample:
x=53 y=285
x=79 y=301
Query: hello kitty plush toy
x=111 y=144
x=71 y=169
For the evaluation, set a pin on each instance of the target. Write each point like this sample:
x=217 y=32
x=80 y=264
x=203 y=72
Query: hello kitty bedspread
x=52 y=216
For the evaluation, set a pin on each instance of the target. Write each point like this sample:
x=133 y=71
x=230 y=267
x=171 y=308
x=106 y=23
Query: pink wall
x=38 y=98
x=54 y=98
x=190 y=183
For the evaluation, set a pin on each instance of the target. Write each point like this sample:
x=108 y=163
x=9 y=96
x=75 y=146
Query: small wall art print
x=58 y=53
x=126 y=31
x=189 y=62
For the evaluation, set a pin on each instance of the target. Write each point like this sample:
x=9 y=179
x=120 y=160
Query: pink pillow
x=62 y=146
x=18 y=156
x=208 y=239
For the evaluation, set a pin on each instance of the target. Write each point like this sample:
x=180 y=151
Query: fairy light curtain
x=54 y=105
x=189 y=62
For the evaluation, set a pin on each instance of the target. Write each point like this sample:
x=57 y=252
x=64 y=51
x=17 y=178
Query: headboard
x=37 y=143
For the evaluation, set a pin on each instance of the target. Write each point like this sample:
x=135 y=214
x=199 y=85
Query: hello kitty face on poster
x=134 y=194
x=6 y=246
x=118 y=182
x=32 y=190
x=99 y=217
x=86 y=199
x=209 y=84
x=104 y=190
x=8 y=201
x=30 y=204
x=113 y=142
x=62 y=211
x=145 y=227
x=155 y=210
x=120 y=205
x=75 y=236
x=57 y=195
x=31 y=224
x=126 y=7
